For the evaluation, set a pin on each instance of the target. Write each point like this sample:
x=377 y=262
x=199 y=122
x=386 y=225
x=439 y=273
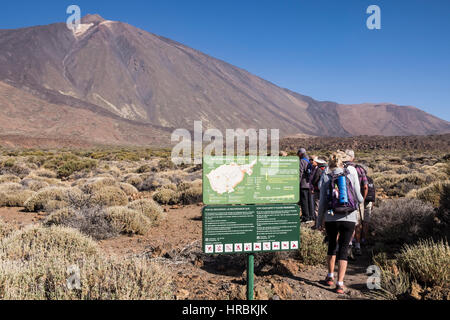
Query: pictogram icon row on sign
x=251 y=247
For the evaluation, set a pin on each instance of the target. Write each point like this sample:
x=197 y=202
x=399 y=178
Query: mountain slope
x=126 y=74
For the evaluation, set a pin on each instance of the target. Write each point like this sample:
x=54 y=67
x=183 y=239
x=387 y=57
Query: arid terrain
x=130 y=221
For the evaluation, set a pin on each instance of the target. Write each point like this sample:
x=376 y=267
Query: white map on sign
x=227 y=177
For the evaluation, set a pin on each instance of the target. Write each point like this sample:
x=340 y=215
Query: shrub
x=96 y=184
x=134 y=180
x=148 y=208
x=109 y=196
x=59 y=217
x=45 y=173
x=34 y=185
x=40 y=242
x=313 y=250
x=153 y=182
x=191 y=195
x=5 y=229
x=10 y=187
x=165 y=164
x=101 y=278
x=432 y=193
x=427 y=262
x=143 y=169
x=12 y=168
x=166 y=196
x=128 y=189
x=15 y=198
x=402 y=220
x=128 y=221
x=35 y=264
x=395 y=283
x=93 y=222
x=9 y=178
x=66 y=164
x=49 y=199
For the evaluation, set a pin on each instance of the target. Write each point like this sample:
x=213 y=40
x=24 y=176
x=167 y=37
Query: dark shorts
x=345 y=231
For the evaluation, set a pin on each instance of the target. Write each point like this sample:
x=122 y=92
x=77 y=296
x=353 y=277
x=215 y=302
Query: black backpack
x=371 y=195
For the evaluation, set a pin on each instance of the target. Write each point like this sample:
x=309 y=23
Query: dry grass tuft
x=5 y=229
x=402 y=221
x=150 y=209
x=37 y=241
x=15 y=198
x=128 y=189
x=47 y=199
x=313 y=250
x=431 y=194
x=9 y=178
x=166 y=196
x=108 y=196
x=37 y=264
x=128 y=221
x=427 y=262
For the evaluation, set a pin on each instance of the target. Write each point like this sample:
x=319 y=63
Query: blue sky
x=315 y=47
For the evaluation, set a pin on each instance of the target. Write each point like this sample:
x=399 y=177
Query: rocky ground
x=176 y=242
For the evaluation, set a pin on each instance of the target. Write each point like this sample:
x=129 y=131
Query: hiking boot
x=358 y=252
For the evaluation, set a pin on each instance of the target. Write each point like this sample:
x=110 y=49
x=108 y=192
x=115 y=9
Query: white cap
x=319 y=161
x=350 y=153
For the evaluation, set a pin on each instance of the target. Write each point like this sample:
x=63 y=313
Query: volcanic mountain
x=111 y=83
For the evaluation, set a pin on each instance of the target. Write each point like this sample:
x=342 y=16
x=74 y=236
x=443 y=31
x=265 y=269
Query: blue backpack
x=342 y=198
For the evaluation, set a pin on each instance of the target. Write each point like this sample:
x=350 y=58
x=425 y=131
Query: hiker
x=340 y=196
x=319 y=167
x=363 y=213
x=305 y=191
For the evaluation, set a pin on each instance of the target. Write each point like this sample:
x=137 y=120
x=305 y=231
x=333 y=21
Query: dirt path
x=176 y=242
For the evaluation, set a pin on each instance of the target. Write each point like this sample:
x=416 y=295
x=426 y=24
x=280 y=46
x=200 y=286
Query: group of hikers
x=337 y=196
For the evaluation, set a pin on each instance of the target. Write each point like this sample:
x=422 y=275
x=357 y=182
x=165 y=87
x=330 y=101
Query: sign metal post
x=250 y=276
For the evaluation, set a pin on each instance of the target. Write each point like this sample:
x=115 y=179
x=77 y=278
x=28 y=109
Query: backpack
x=335 y=195
x=315 y=178
x=308 y=170
x=371 y=195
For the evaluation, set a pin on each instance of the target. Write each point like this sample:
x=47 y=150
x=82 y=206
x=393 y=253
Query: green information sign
x=251 y=229
x=250 y=180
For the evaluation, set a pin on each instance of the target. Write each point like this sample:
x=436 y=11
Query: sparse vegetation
x=109 y=196
x=427 y=262
x=419 y=271
x=399 y=221
x=313 y=250
x=35 y=264
x=128 y=221
x=49 y=199
x=166 y=196
x=86 y=196
x=5 y=229
x=150 y=209
x=432 y=193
